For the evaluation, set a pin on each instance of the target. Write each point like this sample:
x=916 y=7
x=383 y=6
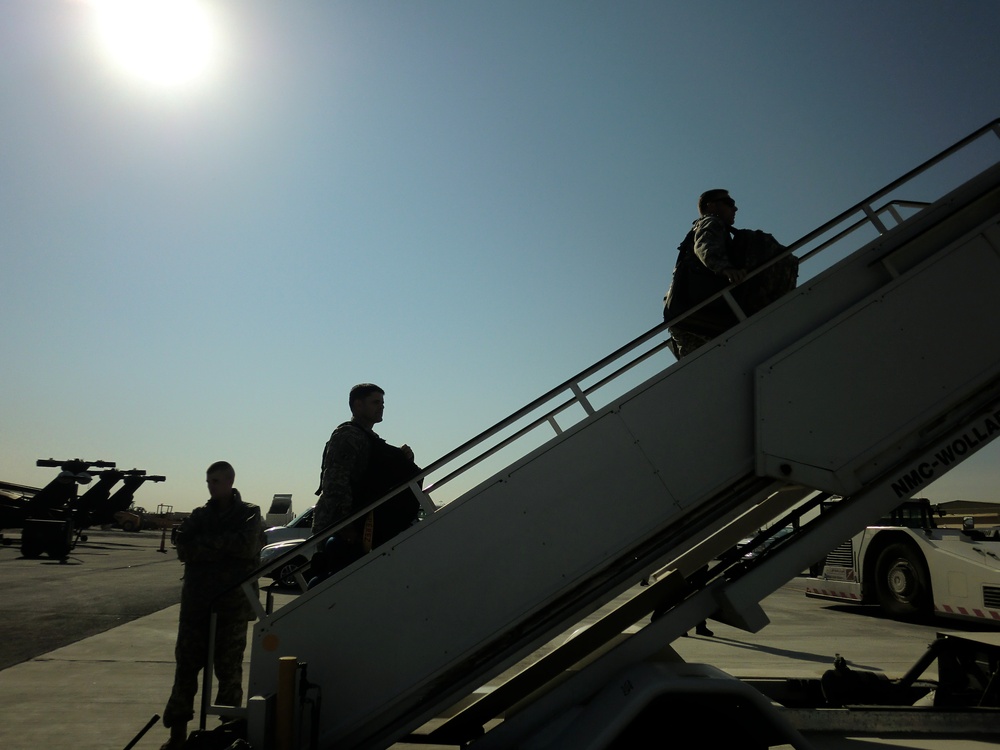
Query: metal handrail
x=572 y=392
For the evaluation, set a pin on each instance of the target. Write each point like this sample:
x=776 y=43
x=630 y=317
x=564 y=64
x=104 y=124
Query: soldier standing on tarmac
x=219 y=545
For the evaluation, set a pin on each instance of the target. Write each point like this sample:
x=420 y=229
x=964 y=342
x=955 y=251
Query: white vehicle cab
x=909 y=566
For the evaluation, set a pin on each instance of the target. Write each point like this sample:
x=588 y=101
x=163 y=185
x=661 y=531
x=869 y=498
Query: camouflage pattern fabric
x=219 y=548
x=345 y=461
x=359 y=467
x=685 y=341
x=702 y=260
x=191 y=652
x=354 y=475
x=699 y=272
x=709 y=243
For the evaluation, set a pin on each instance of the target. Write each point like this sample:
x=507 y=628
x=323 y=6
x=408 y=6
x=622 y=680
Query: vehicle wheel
x=286 y=574
x=128 y=526
x=902 y=582
x=58 y=551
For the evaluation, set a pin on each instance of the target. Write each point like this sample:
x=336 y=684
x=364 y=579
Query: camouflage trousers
x=191 y=652
x=686 y=341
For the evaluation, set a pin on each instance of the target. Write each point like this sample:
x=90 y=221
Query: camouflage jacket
x=219 y=549
x=345 y=462
x=711 y=244
x=708 y=251
x=699 y=272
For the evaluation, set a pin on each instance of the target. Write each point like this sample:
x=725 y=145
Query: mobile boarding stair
x=849 y=385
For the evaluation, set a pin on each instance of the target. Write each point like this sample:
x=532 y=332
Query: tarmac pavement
x=98 y=692
x=108 y=579
x=95 y=694
x=87 y=647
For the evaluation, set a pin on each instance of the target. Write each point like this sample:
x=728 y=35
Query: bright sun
x=161 y=41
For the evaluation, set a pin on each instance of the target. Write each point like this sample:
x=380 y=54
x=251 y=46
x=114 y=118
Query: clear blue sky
x=465 y=202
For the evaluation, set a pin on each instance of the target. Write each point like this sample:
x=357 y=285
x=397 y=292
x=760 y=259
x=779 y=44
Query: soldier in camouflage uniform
x=712 y=256
x=219 y=545
x=359 y=468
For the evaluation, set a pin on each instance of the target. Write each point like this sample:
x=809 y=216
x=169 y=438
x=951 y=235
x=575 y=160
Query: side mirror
x=968 y=523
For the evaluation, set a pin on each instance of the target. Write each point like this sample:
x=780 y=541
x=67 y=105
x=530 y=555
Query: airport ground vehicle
x=280 y=539
x=164 y=518
x=909 y=566
x=137 y=518
x=128 y=520
x=299 y=528
x=54 y=517
x=285 y=574
x=654 y=469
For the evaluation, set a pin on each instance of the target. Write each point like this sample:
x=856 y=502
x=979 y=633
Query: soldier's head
x=717 y=202
x=220 y=477
x=367 y=402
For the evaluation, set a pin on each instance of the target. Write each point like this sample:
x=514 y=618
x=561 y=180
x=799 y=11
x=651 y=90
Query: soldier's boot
x=178 y=737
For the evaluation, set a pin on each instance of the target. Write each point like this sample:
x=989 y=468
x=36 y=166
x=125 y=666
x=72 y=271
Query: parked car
x=299 y=528
x=280 y=539
x=284 y=575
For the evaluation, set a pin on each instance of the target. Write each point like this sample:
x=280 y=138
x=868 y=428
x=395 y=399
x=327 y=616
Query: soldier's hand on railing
x=735 y=275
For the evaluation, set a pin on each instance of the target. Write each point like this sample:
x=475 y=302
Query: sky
x=465 y=202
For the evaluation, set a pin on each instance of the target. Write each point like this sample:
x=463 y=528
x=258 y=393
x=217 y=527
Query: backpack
x=692 y=282
x=387 y=468
x=752 y=248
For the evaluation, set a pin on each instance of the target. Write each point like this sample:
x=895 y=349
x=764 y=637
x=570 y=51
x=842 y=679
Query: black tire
x=902 y=582
x=129 y=526
x=285 y=576
x=58 y=551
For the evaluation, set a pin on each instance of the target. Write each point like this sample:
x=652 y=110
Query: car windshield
x=303 y=519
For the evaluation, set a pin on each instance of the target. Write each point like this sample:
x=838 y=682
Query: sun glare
x=166 y=42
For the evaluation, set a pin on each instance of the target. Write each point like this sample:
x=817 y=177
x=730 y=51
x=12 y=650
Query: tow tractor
x=910 y=566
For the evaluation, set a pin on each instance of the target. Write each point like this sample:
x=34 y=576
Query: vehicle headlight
x=272 y=551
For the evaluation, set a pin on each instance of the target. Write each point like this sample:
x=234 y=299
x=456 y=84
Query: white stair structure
x=858 y=383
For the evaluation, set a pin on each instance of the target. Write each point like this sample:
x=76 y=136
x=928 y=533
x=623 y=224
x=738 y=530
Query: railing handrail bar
x=486 y=434
x=547 y=396
x=993 y=126
x=860 y=223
